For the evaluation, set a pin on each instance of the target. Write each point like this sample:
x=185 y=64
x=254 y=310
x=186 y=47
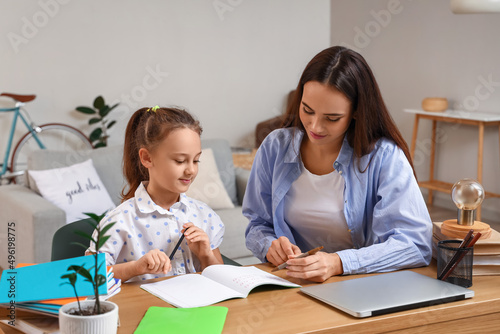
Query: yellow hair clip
x=153 y=109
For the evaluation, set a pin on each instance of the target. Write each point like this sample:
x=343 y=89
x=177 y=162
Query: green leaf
x=85 y=273
x=94 y=217
x=104 y=111
x=111 y=124
x=86 y=110
x=71 y=277
x=100 y=144
x=85 y=235
x=106 y=228
x=102 y=241
x=94 y=120
x=75 y=268
x=113 y=106
x=96 y=134
x=100 y=280
x=99 y=102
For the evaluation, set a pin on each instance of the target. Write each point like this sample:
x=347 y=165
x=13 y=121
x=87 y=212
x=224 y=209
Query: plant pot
x=105 y=323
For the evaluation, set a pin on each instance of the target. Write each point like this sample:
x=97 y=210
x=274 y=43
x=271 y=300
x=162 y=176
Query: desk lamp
x=467 y=194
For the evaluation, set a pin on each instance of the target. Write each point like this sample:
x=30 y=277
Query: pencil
x=311 y=252
x=176 y=246
x=462 y=255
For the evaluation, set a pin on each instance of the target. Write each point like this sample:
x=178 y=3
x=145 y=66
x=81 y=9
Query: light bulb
x=467 y=194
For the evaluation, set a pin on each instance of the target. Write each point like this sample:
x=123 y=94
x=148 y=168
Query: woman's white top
x=314 y=209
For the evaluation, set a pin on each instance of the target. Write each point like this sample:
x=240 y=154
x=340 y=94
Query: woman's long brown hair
x=146 y=129
x=348 y=72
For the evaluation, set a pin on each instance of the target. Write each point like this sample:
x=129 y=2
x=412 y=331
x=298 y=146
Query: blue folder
x=43 y=281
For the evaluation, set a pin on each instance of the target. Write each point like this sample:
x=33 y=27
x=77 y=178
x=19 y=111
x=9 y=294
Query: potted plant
x=89 y=316
x=100 y=111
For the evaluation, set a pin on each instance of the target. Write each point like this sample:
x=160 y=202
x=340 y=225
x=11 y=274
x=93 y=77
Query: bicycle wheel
x=54 y=136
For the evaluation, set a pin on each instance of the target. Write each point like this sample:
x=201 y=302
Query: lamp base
x=451 y=229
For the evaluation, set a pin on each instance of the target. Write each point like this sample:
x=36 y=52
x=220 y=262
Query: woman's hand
x=280 y=251
x=317 y=268
x=199 y=243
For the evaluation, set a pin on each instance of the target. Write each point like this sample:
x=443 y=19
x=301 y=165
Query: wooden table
x=458 y=117
x=284 y=310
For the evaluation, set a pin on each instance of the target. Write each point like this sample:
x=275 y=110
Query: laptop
x=387 y=293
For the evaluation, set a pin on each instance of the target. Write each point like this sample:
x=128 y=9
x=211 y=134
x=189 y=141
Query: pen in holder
x=454 y=263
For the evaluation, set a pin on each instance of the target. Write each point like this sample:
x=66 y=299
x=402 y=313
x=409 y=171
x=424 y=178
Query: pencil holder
x=448 y=253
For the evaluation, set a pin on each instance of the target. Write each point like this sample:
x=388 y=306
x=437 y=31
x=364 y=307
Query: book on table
x=215 y=284
x=35 y=325
x=39 y=288
x=206 y=320
x=489 y=246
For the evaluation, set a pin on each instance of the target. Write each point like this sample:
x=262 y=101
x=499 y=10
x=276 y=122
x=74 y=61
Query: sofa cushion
x=207 y=186
x=107 y=162
x=76 y=189
x=233 y=244
x=224 y=159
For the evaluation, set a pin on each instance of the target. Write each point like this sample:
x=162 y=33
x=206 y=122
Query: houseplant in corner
x=99 y=112
x=89 y=316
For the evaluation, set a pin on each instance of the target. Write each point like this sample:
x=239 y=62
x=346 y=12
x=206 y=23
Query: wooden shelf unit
x=460 y=117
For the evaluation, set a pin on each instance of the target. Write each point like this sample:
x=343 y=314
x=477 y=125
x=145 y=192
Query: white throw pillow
x=75 y=189
x=207 y=186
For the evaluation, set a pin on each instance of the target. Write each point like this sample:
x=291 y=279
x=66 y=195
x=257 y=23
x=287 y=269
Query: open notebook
x=386 y=293
x=216 y=283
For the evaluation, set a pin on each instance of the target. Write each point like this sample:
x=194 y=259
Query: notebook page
x=191 y=290
x=243 y=279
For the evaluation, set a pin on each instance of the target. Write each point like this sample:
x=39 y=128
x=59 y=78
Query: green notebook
x=206 y=320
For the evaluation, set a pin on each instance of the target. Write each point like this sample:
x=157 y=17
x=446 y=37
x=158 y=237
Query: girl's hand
x=197 y=240
x=280 y=251
x=153 y=262
x=317 y=268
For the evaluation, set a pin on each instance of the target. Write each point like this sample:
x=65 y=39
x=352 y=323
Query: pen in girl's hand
x=311 y=252
x=177 y=246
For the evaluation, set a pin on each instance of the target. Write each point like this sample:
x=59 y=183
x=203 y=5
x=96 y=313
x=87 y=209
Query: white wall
x=419 y=49
x=230 y=62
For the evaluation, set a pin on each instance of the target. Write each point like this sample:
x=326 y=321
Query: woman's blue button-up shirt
x=383 y=206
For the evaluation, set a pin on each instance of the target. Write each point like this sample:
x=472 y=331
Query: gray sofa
x=36 y=220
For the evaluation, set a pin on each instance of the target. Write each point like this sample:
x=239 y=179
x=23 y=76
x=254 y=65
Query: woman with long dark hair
x=338 y=175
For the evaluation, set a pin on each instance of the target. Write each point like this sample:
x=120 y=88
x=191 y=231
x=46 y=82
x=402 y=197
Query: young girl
x=160 y=161
x=339 y=175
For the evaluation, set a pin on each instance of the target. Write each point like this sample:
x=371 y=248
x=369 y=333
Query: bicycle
x=53 y=136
